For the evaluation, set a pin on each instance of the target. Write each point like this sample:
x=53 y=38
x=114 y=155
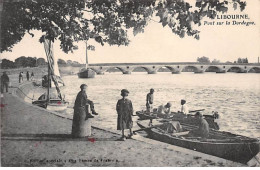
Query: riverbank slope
x=35 y=137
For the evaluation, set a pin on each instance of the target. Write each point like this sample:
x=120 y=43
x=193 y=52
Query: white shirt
x=164 y=110
x=184 y=109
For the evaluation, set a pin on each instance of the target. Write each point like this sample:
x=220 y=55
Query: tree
x=245 y=60
x=105 y=21
x=75 y=64
x=203 y=59
x=69 y=62
x=215 y=61
x=7 y=64
x=242 y=60
x=40 y=62
x=25 y=62
x=20 y=62
x=30 y=62
x=61 y=62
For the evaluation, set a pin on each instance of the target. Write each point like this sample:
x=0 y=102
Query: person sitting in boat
x=149 y=101
x=203 y=130
x=184 y=107
x=164 y=110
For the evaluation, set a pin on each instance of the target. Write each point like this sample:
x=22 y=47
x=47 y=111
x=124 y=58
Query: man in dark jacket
x=28 y=76
x=203 y=130
x=81 y=113
x=82 y=100
x=4 y=82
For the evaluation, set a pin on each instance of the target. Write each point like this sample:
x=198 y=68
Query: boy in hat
x=124 y=110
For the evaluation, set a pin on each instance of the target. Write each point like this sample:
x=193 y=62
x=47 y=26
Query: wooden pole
x=86 y=54
x=49 y=82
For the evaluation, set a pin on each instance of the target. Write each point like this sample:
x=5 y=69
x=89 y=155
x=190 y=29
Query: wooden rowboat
x=219 y=143
x=179 y=117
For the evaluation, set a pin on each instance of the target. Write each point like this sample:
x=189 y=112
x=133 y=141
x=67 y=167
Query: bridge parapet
x=175 y=68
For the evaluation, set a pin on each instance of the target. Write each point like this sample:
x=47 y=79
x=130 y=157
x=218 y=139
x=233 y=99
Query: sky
x=159 y=44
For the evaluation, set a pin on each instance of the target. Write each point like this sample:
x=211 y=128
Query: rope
x=25 y=94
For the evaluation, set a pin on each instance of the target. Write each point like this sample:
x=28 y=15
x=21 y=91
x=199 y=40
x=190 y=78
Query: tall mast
x=49 y=82
x=86 y=54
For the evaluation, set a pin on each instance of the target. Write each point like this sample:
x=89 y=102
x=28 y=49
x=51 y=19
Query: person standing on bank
x=20 y=77
x=149 y=101
x=32 y=76
x=4 y=82
x=27 y=75
x=124 y=110
x=81 y=113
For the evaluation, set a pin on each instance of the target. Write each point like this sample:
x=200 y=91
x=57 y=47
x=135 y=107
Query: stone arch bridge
x=176 y=68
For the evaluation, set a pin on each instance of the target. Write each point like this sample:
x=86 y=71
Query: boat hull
x=53 y=105
x=86 y=73
x=185 y=119
x=235 y=150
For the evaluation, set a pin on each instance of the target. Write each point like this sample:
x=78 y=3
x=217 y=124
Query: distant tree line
x=241 y=60
x=23 y=62
x=215 y=61
x=62 y=62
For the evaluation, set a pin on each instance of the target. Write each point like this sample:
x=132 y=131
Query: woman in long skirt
x=124 y=110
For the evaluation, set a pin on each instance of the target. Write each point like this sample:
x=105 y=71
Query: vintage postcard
x=130 y=83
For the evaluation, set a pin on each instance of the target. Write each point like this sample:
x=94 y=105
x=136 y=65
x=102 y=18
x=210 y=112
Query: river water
x=235 y=96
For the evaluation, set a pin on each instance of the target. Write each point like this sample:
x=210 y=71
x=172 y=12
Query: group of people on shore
x=163 y=109
x=28 y=76
x=5 y=80
x=125 y=111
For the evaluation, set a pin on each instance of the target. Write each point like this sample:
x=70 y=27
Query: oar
x=191 y=111
x=205 y=116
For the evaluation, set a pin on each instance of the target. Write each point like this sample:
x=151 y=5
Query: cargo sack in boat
x=172 y=127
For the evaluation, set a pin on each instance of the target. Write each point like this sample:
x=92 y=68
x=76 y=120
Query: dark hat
x=82 y=85
x=183 y=101
x=124 y=91
x=152 y=90
x=168 y=104
x=198 y=114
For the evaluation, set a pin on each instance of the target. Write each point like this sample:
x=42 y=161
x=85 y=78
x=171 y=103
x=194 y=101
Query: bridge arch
x=190 y=69
x=171 y=69
x=235 y=69
x=111 y=68
x=142 y=67
x=214 y=69
x=254 y=70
